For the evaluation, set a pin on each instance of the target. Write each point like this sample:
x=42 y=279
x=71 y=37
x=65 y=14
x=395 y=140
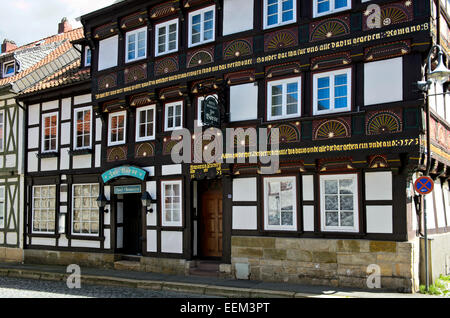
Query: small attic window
x=9 y=69
x=87 y=56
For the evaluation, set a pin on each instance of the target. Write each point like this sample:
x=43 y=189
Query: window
x=136 y=45
x=174 y=116
x=332 y=92
x=9 y=69
x=2 y=207
x=323 y=7
x=83 y=128
x=44 y=209
x=171 y=204
x=280 y=204
x=145 y=123
x=339 y=203
x=166 y=38
x=2 y=130
x=279 y=12
x=202 y=26
x=108 y=53
x=87 y=56
x=50 y=132
x=284 y=100
x=117 y=126
x=85 y=212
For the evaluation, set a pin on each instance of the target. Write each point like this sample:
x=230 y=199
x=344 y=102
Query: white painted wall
x=85 y=244
x=43 y=241
x=33 y=138
x=54 y=104
x=82 y=99
x=440 y=211
x=33 y=114
x=245 y=218
x=172 y=242
x=379 y=219
x=243 y=102
x=237 y=16
x=98 y=155
x=66 y=106
x=32 y=161
x=171 y=170
x=245 y=190
x=152 y=241
x=429 y=205
x=308 y=218
x=108 y=53
x=49 y=164
x=65 y=134
x=65 y=159
x=82 y=162
x=152 y=217
x=379 y=185
x=308 y=188
x=383 y=81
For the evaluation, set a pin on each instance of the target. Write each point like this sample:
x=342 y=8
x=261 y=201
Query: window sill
x=80 y=152
x=46 y=155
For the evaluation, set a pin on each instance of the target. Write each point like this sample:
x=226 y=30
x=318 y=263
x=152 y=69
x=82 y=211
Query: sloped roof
x=70 y=74
x=34 y=56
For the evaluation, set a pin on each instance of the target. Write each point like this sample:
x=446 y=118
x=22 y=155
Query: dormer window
x=9 y=69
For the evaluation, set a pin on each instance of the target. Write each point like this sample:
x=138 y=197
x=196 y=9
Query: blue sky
x=25 y=21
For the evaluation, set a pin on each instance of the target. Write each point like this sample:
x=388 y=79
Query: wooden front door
x=212 y=220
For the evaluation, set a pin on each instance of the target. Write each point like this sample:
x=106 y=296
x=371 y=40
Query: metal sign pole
x=425 y=232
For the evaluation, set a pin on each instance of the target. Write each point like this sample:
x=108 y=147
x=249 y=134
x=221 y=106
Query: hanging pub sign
x=211 y=112
x=125 y=171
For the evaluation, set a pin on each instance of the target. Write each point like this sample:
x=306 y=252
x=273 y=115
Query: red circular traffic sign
x=424 y=185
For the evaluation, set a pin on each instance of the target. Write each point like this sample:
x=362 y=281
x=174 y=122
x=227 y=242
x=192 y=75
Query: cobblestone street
x=24 y=288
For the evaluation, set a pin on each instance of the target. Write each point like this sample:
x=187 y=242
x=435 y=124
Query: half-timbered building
x=336 y=79
x=21 y=68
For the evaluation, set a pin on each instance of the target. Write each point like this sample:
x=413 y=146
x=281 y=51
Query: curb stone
x=200 y=289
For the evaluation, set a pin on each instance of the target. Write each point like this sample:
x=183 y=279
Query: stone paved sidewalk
x=194 y=285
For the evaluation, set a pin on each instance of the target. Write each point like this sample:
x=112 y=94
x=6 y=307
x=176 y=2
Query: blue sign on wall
x=124 y=171
x=132 y=189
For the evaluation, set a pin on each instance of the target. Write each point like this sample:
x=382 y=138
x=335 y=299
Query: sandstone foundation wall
x=339 y=263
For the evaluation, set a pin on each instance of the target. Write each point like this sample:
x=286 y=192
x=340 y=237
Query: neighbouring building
x=21 y=68
x=336 y=78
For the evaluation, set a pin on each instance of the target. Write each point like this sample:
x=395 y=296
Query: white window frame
x=284 y=83
x=268 y=227
x=202 y=19
x=324 y=227
x=5 y=66
x=90 y=210
x=166 y=25
x=163 y=206
x=40 y=208
x=44 y=116
x=3 y=211
x=332 y=75
x=166 y=116
x=279 y=12
x=120 y=142
x=75 y=130
x=136 y=33
x=86 y=50
x=138 y=123
x=2 y=127
x=332 y=8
